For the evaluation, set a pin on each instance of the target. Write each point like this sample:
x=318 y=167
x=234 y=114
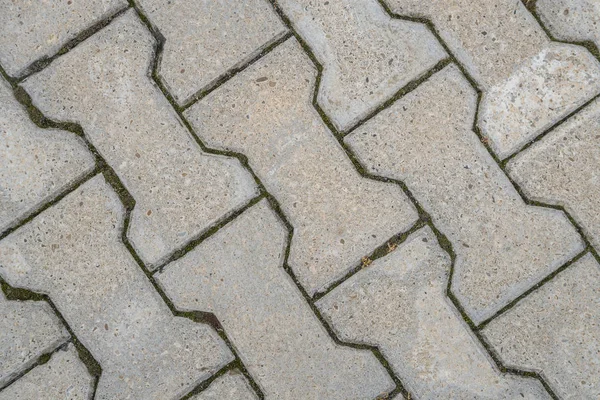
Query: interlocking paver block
x=73 y=252
x=238 y=275
x=572 y=20
x=207 y=38
x=180 y=191
x=35 y=164
x=231 y=386
x=366 y=55
x=30 y=30
x=503 y=246
x=399 y=304
x=556 y=329
x=28 y=329
x=563 y=169
x=63 y=377
x=529 y=83
x=338 y=216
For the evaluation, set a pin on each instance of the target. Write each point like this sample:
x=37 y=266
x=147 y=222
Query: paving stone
x=28 y=329
x=238 y=275
x=207 y=38
x=30 y=30
x=63 y=377
x=366 y=55
x=231 y=386
x=503 y=246
x=399 y=304
x=338 y=216
x=180 y=191
x=571 y=20
x=562 y=169
x=73 y=252
x=35 y=164
x=529 y=83
x=555 y=330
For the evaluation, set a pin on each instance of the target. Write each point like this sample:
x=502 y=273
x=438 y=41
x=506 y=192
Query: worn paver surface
x=299 y=199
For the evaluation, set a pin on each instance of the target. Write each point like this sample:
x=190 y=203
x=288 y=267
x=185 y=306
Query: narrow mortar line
x=205 y=384
x=205 y=91
x=44 y=61
x=538 y=285
x=92 y=365
x=379 y=252
x=40 y=360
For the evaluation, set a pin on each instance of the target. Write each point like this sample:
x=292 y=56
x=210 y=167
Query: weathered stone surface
x=556 y=329
x=366 y=55
x=528 y=82
x=399 y=304
x=571 y=20
x=231 y=386
x=28 y=329
x=30 y=30
x=180 y=191
x=238 y=275
x=63 y=377
x=563 y=169
x=35 y=164
x=338 y=216
x=503 y=246
x=72 y=252
x=206 y=38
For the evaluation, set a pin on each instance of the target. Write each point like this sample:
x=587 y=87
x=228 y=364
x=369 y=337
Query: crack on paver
x=93 y=367
x=43 y=62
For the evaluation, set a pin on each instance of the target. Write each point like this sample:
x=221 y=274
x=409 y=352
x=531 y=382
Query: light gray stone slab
x=556 y=330
x=238 y=275
x=28 y=329
x=207 y=38
x=399 y=304
x=64 y=377
x=73 y=252
x=265 y=112
x=529 y=83
x=231 y=386
x=35 y=164
x=571 y=20
x=564 y=169
x=30 y=30
x=180 y=191
x=503 y=247
x=366 y=55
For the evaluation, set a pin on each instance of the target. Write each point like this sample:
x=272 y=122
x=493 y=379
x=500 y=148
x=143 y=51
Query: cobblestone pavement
x=299 y=199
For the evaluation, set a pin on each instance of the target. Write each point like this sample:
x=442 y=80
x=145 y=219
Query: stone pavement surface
x=299 y=199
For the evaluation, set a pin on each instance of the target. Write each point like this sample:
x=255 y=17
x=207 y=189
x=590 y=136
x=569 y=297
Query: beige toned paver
x=399 y=304
x=231 y=386
x=72 y=252
x=528 y=82
x=571 y=20
x=556 y=329
x=30 y=30
x=503 y=246
x=207 y=38
x=28 y=329
x=63 y=377
x=338 y=216
x=238 y=275
x=35 y=164
x=564 y=169
x=179 y=190
x=366 y=55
